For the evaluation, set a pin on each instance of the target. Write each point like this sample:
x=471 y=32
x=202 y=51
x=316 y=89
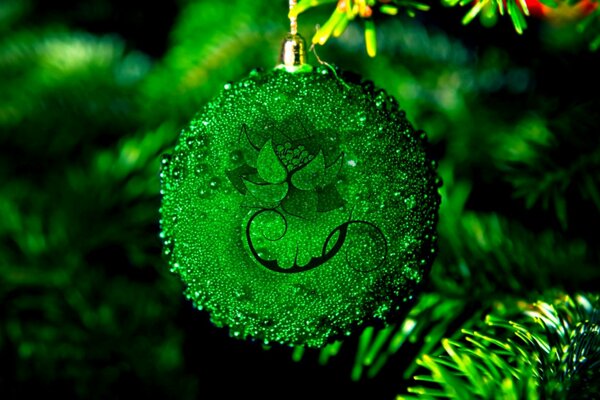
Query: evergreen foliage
x=88 y=308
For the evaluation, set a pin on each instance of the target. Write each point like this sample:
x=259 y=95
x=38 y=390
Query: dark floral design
x=289 y=176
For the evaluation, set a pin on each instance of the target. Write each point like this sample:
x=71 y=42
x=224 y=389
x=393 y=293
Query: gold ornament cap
x=293 y=53
x=292 y=57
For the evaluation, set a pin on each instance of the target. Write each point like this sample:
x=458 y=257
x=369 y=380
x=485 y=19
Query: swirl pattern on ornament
x=289 y=180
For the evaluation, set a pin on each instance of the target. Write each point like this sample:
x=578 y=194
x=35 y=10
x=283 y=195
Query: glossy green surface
x=298 y=205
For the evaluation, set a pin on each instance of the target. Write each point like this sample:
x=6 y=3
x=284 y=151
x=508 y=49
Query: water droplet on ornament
x=236 y=156
x=323 y=70
x=175 y=267
x=369 y=86
x=168 y=247
x=204 y=193
x=256 y=72
x=201 y=154
x=177 y=172
x=214 y=183
x=201 y=169
x=410 y=202
x=380 y=100
x=165 y=161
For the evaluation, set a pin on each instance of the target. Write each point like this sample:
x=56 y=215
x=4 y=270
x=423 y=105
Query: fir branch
x=78 y=233
x=552 y=351
x=236 y=37
x=11 y=11
x=434 y=317
x=548 y=163
x=349 y=10
x=487 y=254
x=489 y=12
x=591 y=25
x=47 y=74
x=497 y=256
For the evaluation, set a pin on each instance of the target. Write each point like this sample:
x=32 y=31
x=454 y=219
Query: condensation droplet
x=214 y=183
x=236 y=156
x=201 y=169
x=204 y=193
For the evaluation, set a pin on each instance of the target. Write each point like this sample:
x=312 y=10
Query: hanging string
x=293 y=20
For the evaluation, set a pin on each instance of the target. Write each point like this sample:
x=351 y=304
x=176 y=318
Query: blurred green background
x=93 y=92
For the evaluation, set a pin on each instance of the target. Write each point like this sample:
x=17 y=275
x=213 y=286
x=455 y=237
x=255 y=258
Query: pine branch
x=554 y=163
x=79 y=232
x=486 y=254
x=489 y=11
x=552 y=351
x=434 y=317
x=11 y=11
x=591 y=26
x=48 y=74
x=235 y=37
x=497 y=256
x=348 y=10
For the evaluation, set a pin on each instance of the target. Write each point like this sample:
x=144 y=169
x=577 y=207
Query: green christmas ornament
x=298 y=204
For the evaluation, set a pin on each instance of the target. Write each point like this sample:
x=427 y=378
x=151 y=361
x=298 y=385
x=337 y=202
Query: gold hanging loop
x=293 y=49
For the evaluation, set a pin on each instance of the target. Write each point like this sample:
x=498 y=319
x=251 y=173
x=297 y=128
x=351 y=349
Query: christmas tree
x=94 y=93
